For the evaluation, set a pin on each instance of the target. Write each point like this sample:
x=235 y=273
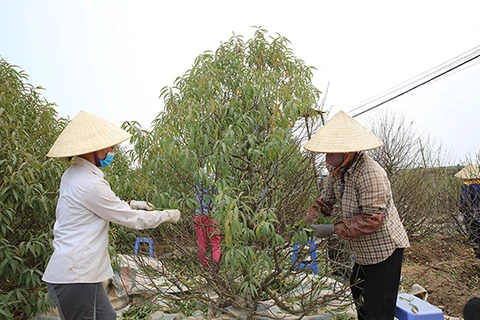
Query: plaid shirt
x=364 y=188
x=204 y=197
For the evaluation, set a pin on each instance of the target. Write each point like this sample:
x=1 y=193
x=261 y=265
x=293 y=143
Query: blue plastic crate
x=410 y=307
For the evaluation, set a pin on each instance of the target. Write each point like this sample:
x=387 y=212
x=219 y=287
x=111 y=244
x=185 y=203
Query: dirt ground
x=446 y=267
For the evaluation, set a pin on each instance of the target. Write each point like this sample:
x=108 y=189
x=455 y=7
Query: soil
x=447 y=268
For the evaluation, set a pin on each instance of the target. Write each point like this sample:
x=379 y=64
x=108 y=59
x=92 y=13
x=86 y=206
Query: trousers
x=82 y=301
x=207 y=233
x=375 y=287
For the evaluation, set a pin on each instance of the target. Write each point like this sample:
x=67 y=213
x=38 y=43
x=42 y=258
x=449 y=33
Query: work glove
x=141 y=205
x=173 y=215
x=318 y=206
x=323 y=230
x=312 y=215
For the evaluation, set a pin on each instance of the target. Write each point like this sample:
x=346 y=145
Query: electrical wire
x=417 y=78
x=448 y=66
x=456 y=71
x=424 y=75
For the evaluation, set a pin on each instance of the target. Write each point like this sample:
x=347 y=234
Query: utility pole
x=423 y=156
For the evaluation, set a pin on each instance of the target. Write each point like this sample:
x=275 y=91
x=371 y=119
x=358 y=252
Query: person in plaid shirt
x=470 y=204
x=370 y=221
x=206 y=227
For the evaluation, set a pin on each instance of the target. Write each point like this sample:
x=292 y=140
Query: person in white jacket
x=80 y=261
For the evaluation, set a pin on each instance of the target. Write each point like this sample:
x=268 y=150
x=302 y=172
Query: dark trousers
x=375 y=287
x=81 y=301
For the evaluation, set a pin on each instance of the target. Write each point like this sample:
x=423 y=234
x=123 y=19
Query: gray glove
x=323 y=230
x=141 y=205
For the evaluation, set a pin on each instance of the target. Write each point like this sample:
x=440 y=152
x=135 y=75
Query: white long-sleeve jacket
x=85 y=206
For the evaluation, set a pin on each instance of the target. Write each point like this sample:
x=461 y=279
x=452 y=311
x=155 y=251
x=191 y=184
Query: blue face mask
x=108 y=159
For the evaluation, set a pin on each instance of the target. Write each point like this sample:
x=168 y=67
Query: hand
x=141 y=205
x=323 y=230
x=173 y=215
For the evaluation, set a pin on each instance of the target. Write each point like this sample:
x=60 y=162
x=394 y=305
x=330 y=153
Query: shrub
x=28 y=190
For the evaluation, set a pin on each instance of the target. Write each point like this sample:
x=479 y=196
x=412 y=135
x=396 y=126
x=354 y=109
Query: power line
x=469 y=57
x=420 y=77
x=459 y=70
x=423 y=75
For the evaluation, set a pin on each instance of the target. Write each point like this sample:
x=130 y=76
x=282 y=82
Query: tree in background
x=424 y=189
x=28 y=190
x=230 y=123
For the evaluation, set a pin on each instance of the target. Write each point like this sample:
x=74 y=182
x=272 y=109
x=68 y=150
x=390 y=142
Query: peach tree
x=233 y=122
x=28 y=191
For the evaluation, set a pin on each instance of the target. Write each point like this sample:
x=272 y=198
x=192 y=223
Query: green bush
x=28 y=189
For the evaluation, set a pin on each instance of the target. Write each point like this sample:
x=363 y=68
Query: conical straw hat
x=469 y=172
x=342 y=134
x=84 y=134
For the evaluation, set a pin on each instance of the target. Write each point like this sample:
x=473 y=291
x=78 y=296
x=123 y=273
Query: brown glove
x=357 y=226
x=318 y=206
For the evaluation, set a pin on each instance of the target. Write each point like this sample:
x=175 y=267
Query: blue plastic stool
x=143 y=240
x=305 y=264
x=410 y=307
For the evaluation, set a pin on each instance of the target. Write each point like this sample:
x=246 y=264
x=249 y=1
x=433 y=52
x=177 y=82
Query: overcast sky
x=111 y=58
